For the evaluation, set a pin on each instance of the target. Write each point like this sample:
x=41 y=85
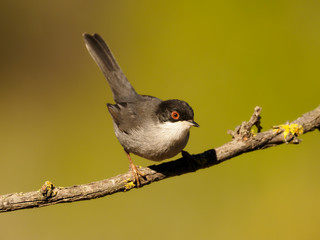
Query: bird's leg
x=136 y=173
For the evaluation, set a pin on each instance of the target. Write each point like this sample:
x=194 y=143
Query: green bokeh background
x=223 y=57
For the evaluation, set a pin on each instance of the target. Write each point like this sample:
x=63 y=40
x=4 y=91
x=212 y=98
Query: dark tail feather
x=120 y=86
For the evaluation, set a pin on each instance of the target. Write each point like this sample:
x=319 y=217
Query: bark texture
x=243 y=140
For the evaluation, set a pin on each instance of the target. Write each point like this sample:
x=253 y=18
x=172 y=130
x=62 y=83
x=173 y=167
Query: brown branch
x=244 y=140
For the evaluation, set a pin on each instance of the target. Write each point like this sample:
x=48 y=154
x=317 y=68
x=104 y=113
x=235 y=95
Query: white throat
x=172 y=131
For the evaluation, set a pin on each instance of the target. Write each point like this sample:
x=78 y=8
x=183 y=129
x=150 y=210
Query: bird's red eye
x=175 y=115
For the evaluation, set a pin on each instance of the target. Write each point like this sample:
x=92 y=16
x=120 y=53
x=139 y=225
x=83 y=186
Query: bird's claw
x=136 y=173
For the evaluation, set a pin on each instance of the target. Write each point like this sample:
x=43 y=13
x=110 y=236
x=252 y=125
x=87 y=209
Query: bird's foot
x=191 y=160
x=137 y=174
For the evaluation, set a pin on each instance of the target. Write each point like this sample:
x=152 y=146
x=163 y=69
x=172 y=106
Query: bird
x=144 y=125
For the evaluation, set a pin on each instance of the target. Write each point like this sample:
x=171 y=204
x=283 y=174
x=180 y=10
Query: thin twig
x=244 y=140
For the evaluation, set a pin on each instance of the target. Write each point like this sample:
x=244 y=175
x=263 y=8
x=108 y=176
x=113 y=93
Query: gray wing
x=133 y=115
x=121 y=88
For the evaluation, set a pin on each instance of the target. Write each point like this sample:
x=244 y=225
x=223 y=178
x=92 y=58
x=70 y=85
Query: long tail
x=120 y=86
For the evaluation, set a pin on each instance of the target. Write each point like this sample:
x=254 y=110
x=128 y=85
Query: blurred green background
x=223 y=57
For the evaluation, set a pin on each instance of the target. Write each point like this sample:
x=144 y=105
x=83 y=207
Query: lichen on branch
x=244 y=140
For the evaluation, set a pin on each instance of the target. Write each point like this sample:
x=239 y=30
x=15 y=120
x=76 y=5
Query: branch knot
x=245 y=131
x=48 y=190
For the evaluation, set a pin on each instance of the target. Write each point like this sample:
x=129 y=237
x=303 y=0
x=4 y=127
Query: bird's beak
x=193 y=123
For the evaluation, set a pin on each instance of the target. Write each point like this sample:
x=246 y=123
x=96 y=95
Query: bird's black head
x=174 y=111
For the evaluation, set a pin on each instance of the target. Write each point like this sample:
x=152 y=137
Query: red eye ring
x=175 y=115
